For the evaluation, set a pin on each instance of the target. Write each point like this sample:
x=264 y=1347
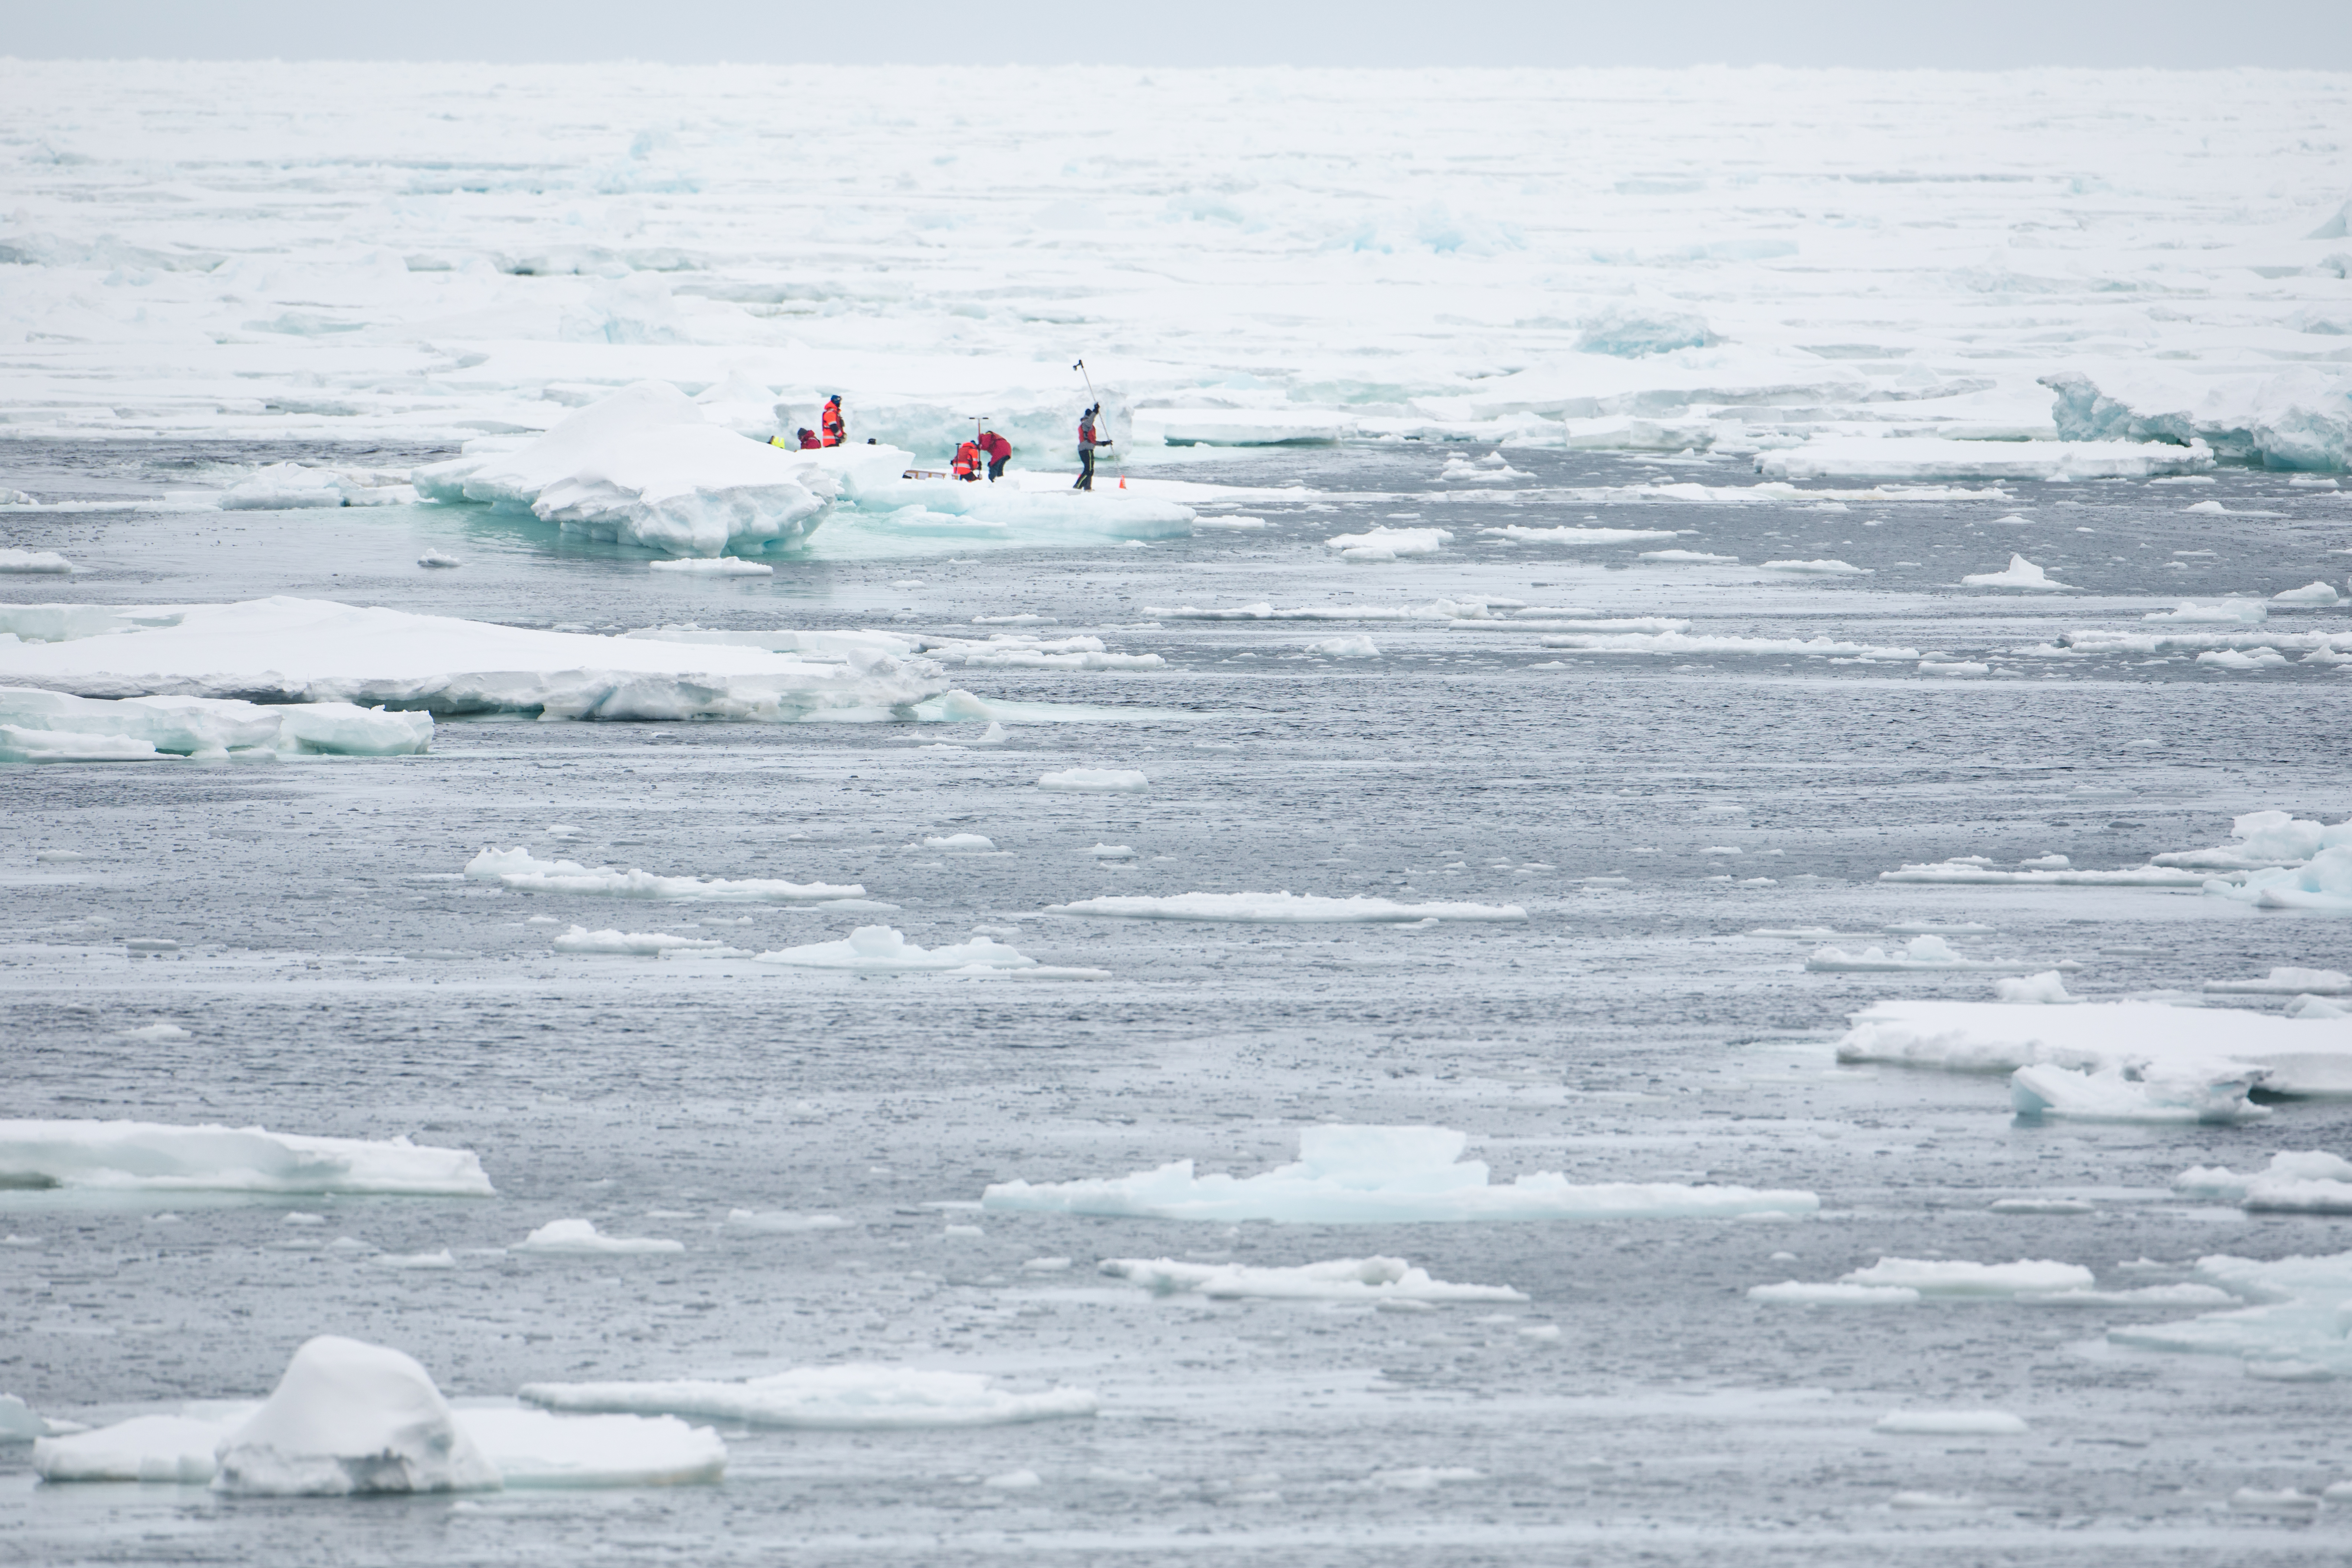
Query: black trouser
x=996 y=468
x=1086 y=470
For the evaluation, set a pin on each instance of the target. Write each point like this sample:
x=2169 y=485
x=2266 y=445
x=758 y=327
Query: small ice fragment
x=1095 y=781
x=1013 y=1480
x=435 y=558
x=1951 y=1422
x=580 y=1237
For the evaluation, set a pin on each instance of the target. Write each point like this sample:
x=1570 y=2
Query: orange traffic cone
x=1122 y=481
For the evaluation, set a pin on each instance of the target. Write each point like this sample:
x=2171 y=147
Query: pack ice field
x=1662 y=871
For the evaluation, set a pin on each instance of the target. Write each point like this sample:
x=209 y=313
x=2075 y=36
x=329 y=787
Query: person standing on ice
x=999 y=450
x=836 y=428
x=1087 y=442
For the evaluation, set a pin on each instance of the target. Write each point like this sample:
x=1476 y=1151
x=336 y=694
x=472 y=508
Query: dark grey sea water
x=334 y=979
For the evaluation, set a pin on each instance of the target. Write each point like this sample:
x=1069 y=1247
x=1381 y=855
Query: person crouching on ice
x=1087 y=442
x=1000 y=452
x=809 y=442
x=967 y=462
x=836 y=428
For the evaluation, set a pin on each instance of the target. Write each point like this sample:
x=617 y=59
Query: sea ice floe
x=1928 y=953
x=283 y=651
x=35 y=563
x=1951 y=1423
x=2228 y=612
x=2293 y=1330
x=2151 y=1094
x=1014 y=652
x=882 y=949
x=1967 y=871
x=1801 y=1293
x=1816 y=568
x=582 y=1238
x=1281 y=908
x=2307 y=1182
x=783 y=1222
x=645 y=466
x=2264 y=839
x=714 y=566
x=635 y=945
x=1375 y=544
x=1367 y=1176
x=1346 y=648
x=1690 y=557
x=1948 y=1278
x=51 y=726
x=520 y=870
x=1826 y=457
x=1341 y=1279
x=850 y=1397
x=293 y=487
x=2295 y=1055
x=349 y=1417
x=2321 y=885
x=2289 y=982
x=1688 y=643
x=2047 y=989
x=1095 y=781
x=152 y=1157
x=2019 y=574
x=1584 y=536
x=2321 y=594
x=438 y=559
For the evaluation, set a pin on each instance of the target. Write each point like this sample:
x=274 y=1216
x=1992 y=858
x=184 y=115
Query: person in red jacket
x=809 y=443
x=999 y=450
x=1087 y=442
x=836 y=428
x=967 y=461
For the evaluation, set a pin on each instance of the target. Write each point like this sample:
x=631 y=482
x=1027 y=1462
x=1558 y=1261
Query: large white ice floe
x=35 y=563
x=1281 y=908
x=1374 y=1175
x=2295 y=1329
x=350 y=1417
x=154 y=1157
x=2146 y=1040
x=310 y=650
x=2019 y=574
x=1932 y=458
x=1340 y=1279
x=645 y=466
x=1383 y=543
x=2189 y=1094
x=2321 y=885
x=520 y=870
x=1954 y=1278
x=2296 y=1182
x=1926 y=955
x=2300 y=418
x=51 y=726
x=883 y=949
x=2264 y=839
x=1969 y=871
x=2288 y=981
x=293 y=487
x=581 y=1239
x=850 y=1398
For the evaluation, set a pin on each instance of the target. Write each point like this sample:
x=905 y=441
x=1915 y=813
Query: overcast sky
x=1971 y=34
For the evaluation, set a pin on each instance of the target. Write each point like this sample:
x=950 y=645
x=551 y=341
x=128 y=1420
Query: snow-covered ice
x=2295 y=1055
x=1095 y=781
x=851 y=1397
x=881 y=949
x=2019 y=574
x=581 y=1239
x=2306 y=1182
x=633 y=945
x=350 y=1417
x=1931 y=1276
x=1951 y=1423
x=307 y=650
x=521 y=871
x=35 y=563
x=145 y=1156
x=2115 y=1094
x=1928 y=953
x=1370 y=1175
x=1377 y=545
x=51 y=726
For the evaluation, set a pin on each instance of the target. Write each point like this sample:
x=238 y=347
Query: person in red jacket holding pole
x=999 y=450
x=1087 y=442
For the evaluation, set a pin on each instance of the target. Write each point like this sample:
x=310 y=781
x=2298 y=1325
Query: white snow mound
x=645 y=466
x=2019 y=574
x=349 y=1417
